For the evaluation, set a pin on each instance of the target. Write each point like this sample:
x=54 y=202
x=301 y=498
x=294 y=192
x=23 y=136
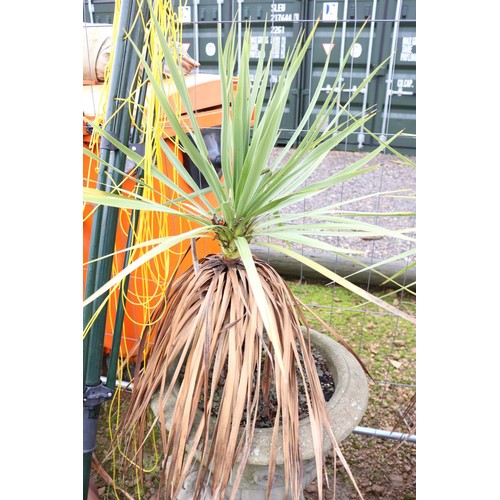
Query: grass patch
x=385 y=343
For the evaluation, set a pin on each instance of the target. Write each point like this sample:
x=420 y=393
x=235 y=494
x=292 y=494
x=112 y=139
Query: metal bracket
x=399 y=92
x=107 y=144
x=138 y=148
x=93 y=397
x=96 y=395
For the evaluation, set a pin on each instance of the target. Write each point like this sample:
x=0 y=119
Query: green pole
x=104 y=226
x=120 y=309
x=136 y=140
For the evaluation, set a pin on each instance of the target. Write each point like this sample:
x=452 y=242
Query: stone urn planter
x=345 y=409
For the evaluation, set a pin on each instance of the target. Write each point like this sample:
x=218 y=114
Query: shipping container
x=276 y=26
x=338 y=35
x=397 y=91
x=201 y=21
x=389 y=38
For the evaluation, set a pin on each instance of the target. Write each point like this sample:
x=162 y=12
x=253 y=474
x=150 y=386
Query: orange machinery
x=148 y=282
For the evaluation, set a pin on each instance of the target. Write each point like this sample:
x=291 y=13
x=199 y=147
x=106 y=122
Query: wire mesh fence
x=384 y=342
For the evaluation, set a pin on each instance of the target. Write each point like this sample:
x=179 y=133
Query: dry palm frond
x=96 y=465
x=212 y=352
x=408 y=413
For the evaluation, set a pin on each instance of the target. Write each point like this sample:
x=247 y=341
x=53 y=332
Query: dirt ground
x=383 y=468
x=381 y=471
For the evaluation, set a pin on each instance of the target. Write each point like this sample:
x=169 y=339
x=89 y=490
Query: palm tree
x=229 y=331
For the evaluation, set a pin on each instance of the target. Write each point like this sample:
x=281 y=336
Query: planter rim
x=345 y=408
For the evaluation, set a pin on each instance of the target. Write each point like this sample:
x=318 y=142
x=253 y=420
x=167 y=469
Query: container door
x=396 y=95
x=345 y=19
x=201 y=20
x=284 y=21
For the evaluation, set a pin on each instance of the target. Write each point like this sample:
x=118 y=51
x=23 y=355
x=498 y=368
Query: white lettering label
x=278 y=46
x=278 y=7
x=405 y=83
x=280 y=18
x=330 y=11
x=407 y=53
x=356 y=50
x=255 y=43
x=210 y=49
x=185 y=13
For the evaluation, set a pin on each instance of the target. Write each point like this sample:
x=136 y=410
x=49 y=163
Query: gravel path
x=392 y=175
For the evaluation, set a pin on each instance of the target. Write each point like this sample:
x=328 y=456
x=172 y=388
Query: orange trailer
x=147 y=283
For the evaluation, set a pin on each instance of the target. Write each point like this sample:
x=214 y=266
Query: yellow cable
x=148 y=284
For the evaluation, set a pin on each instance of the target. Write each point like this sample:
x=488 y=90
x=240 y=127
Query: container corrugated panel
x=396 y=96
x=282 y=22
x=201 y=20
x=390 y=34
x=392 y=91
x=340 y=23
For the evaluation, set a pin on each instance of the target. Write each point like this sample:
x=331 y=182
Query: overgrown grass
x=385 y=343
x=387 y=346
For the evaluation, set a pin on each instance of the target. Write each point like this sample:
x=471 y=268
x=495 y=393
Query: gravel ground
x=392 y=175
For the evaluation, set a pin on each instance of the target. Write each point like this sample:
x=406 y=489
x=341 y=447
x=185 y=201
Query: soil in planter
x=267 y=411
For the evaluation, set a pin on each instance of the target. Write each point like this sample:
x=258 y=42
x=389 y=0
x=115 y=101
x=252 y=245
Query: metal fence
x=388 y=39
